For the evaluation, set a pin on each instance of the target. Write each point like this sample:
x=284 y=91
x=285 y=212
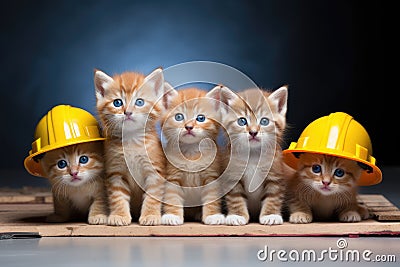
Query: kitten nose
x=253 y=134
x=326 y=183
x=128 y=113
x=74 y=173
x=188 y=127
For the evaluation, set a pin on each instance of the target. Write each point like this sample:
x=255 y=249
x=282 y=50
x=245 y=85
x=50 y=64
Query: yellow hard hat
x=62 y=126
x=337 y=134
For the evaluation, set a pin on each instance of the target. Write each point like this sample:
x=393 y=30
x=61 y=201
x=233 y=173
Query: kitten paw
x=271 y=219
x=364 y=213
x=150 y=220
x=171 y=219
x=117 y=220
x=56 y=218
x=215 y=219
x=98 y=219
x=350 y=216
x=234 y=219
x=300 y=217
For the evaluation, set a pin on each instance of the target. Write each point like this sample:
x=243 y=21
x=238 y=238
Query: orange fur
x=193 y=164
x=129 y=106
x=78 y=188
x=309 y=199
x=253 y=165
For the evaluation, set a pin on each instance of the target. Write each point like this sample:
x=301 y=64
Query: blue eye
x=62 y=164
x=200 y=118
x=264 y=121
x=179 y=117
x=118 y=103
x=83 y=159
x=139 y=102
x=316 y=168
x=339 y=172
x=242 y=121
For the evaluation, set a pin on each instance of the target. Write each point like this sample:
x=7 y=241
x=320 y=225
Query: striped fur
x=253 y=165
x=309 y=199
x=128 y=105
x=78 y=188
x=193 y=165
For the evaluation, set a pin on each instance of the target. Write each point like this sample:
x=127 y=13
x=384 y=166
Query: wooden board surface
x=29 y=217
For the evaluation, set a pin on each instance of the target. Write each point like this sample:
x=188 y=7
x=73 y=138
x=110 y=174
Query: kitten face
x=74 y=165
x=128 y=101
x=255 y=118
x=191 y=117
x=328 y=175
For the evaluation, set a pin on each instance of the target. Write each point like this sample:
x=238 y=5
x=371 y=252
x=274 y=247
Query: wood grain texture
x=29 y=217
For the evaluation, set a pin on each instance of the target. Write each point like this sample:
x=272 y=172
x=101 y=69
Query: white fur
x=215 y=219
x=171 y=219
x=235 y=220
x=271 y=219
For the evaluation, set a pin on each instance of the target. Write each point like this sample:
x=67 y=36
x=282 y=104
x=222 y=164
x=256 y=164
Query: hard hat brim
x=34 y=168
x=366 y=178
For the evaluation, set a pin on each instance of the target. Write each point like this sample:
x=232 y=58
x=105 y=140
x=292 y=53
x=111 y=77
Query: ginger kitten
x=190 y=127
x=325 y=188
x=76 y=175
x=128 y=106
x=254 y=122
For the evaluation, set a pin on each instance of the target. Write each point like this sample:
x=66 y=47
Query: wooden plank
x=30 y=218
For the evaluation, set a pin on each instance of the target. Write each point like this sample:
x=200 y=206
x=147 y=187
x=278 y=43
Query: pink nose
x=326 y=183
x=189 y=128
x=74 y=174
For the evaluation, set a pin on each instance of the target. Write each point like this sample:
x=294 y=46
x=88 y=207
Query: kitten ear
x=279 y=99
x=155 y=81
x=170 y=93
x=101 y=82
x=224 y=96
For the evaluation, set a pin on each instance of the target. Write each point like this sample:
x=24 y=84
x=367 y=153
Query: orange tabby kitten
x=325 y=188
x=76 y=175
x=190 y=129
x=254 y=122
x=128 y=107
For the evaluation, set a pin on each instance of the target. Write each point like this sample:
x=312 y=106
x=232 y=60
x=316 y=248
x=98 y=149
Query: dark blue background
x=330 y=53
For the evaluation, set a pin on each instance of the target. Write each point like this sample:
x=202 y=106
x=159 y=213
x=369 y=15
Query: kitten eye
x=242 y=121
x=264 y=121
x=83 y=159
x=118 y=103
x=339 y=173
x=316 y=168
x=200 y=118
x=179 y=117
x=139 y=102
x=62 y=164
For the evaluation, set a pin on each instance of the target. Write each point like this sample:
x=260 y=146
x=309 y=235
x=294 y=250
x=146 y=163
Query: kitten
x=190 y=128
x=254 y=122
x=325 y=188
x=76 y=175
x=128 y=106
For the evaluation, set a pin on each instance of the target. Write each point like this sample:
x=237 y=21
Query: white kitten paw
x=300 y=217
x=98 y=219
x=171 y=219
x=350 y=216
x=117 y=220
x=56 y=218
x=150 y=220
x=215 y=219
x=271 y=219
x=234 y=219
